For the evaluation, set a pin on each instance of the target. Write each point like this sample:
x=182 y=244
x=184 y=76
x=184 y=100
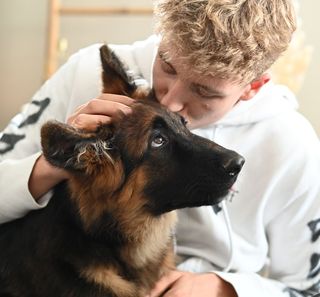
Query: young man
x=209 y=65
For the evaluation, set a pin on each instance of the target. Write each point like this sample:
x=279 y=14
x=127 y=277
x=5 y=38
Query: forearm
x=44 y=177
x=15 y=197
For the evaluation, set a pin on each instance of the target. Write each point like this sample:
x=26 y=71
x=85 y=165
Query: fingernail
x=128 y=111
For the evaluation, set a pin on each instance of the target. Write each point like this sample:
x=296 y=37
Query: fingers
x=182 y=284
x=103 y=107
x=99 y=111
x=118 y=98
x=164 y=284
x=89 y=122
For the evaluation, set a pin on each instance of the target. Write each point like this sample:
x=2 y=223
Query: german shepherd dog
x=107 y=231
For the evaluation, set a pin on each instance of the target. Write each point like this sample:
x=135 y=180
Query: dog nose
x=233 y=165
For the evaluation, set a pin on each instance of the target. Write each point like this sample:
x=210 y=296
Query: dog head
x=147 y=159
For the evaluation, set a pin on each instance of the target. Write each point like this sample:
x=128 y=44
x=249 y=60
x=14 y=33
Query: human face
x=201 y=100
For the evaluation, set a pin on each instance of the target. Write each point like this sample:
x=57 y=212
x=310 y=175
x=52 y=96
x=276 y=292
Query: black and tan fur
x=107 y=230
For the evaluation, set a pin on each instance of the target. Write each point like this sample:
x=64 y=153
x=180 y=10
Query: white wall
x=23 y=27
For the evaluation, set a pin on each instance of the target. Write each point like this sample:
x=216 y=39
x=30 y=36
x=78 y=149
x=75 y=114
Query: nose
x=233 y=165
x=172 y=98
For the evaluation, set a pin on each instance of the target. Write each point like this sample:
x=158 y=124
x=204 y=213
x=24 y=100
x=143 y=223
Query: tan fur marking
x=169 y=262
x=109 y=279
x=148 y=236
x=154 y=238
x=100 y=189
x=138 y=128
x=141 y=93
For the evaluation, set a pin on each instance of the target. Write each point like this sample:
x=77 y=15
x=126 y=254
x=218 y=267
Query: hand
x=186 y=284
x=99 y=110
x=43 y=177
x=87 y=117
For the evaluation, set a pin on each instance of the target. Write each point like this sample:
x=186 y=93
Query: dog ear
x=73 y=150
x=114 y=76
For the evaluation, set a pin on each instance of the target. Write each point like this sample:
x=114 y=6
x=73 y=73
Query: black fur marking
x=315 y=265
x=33 y=118
x=216 y=208
x=315 y=229
x=115 y=70
x=10 y=140
x=313 y=291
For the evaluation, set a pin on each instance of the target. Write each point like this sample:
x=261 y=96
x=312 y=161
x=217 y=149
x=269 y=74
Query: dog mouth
x=203 y=197
x=208 y=195
x=228 y=195
x=202 y=191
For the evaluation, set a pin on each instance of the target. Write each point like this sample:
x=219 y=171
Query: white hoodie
x=275 y=212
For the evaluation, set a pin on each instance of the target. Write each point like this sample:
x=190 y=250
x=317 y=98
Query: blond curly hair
x=230 y=39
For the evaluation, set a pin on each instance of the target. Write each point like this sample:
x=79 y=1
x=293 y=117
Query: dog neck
x=123 y=216
x=149 y=242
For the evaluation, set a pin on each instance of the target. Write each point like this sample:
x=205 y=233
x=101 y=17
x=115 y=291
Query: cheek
x=159 y=84
x=198 y=109
x=220 y=106
x=201 y=114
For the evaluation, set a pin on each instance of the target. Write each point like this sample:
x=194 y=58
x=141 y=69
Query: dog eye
x=158 y=141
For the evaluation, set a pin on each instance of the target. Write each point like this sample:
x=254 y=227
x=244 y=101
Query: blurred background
x=39 y=35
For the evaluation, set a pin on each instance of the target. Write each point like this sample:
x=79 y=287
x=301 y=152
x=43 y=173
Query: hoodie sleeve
x=20 y=142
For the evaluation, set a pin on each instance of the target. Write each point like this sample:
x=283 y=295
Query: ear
x=254 y=87
x=114 y=76
x=65 y=147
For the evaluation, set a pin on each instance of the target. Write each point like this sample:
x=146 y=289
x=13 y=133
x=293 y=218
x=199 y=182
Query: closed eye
x=206 y=92
x=165 y=65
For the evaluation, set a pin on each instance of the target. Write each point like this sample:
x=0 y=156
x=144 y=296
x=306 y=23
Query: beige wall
x=23 y=31
x=309 y=96
x=23 y=47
